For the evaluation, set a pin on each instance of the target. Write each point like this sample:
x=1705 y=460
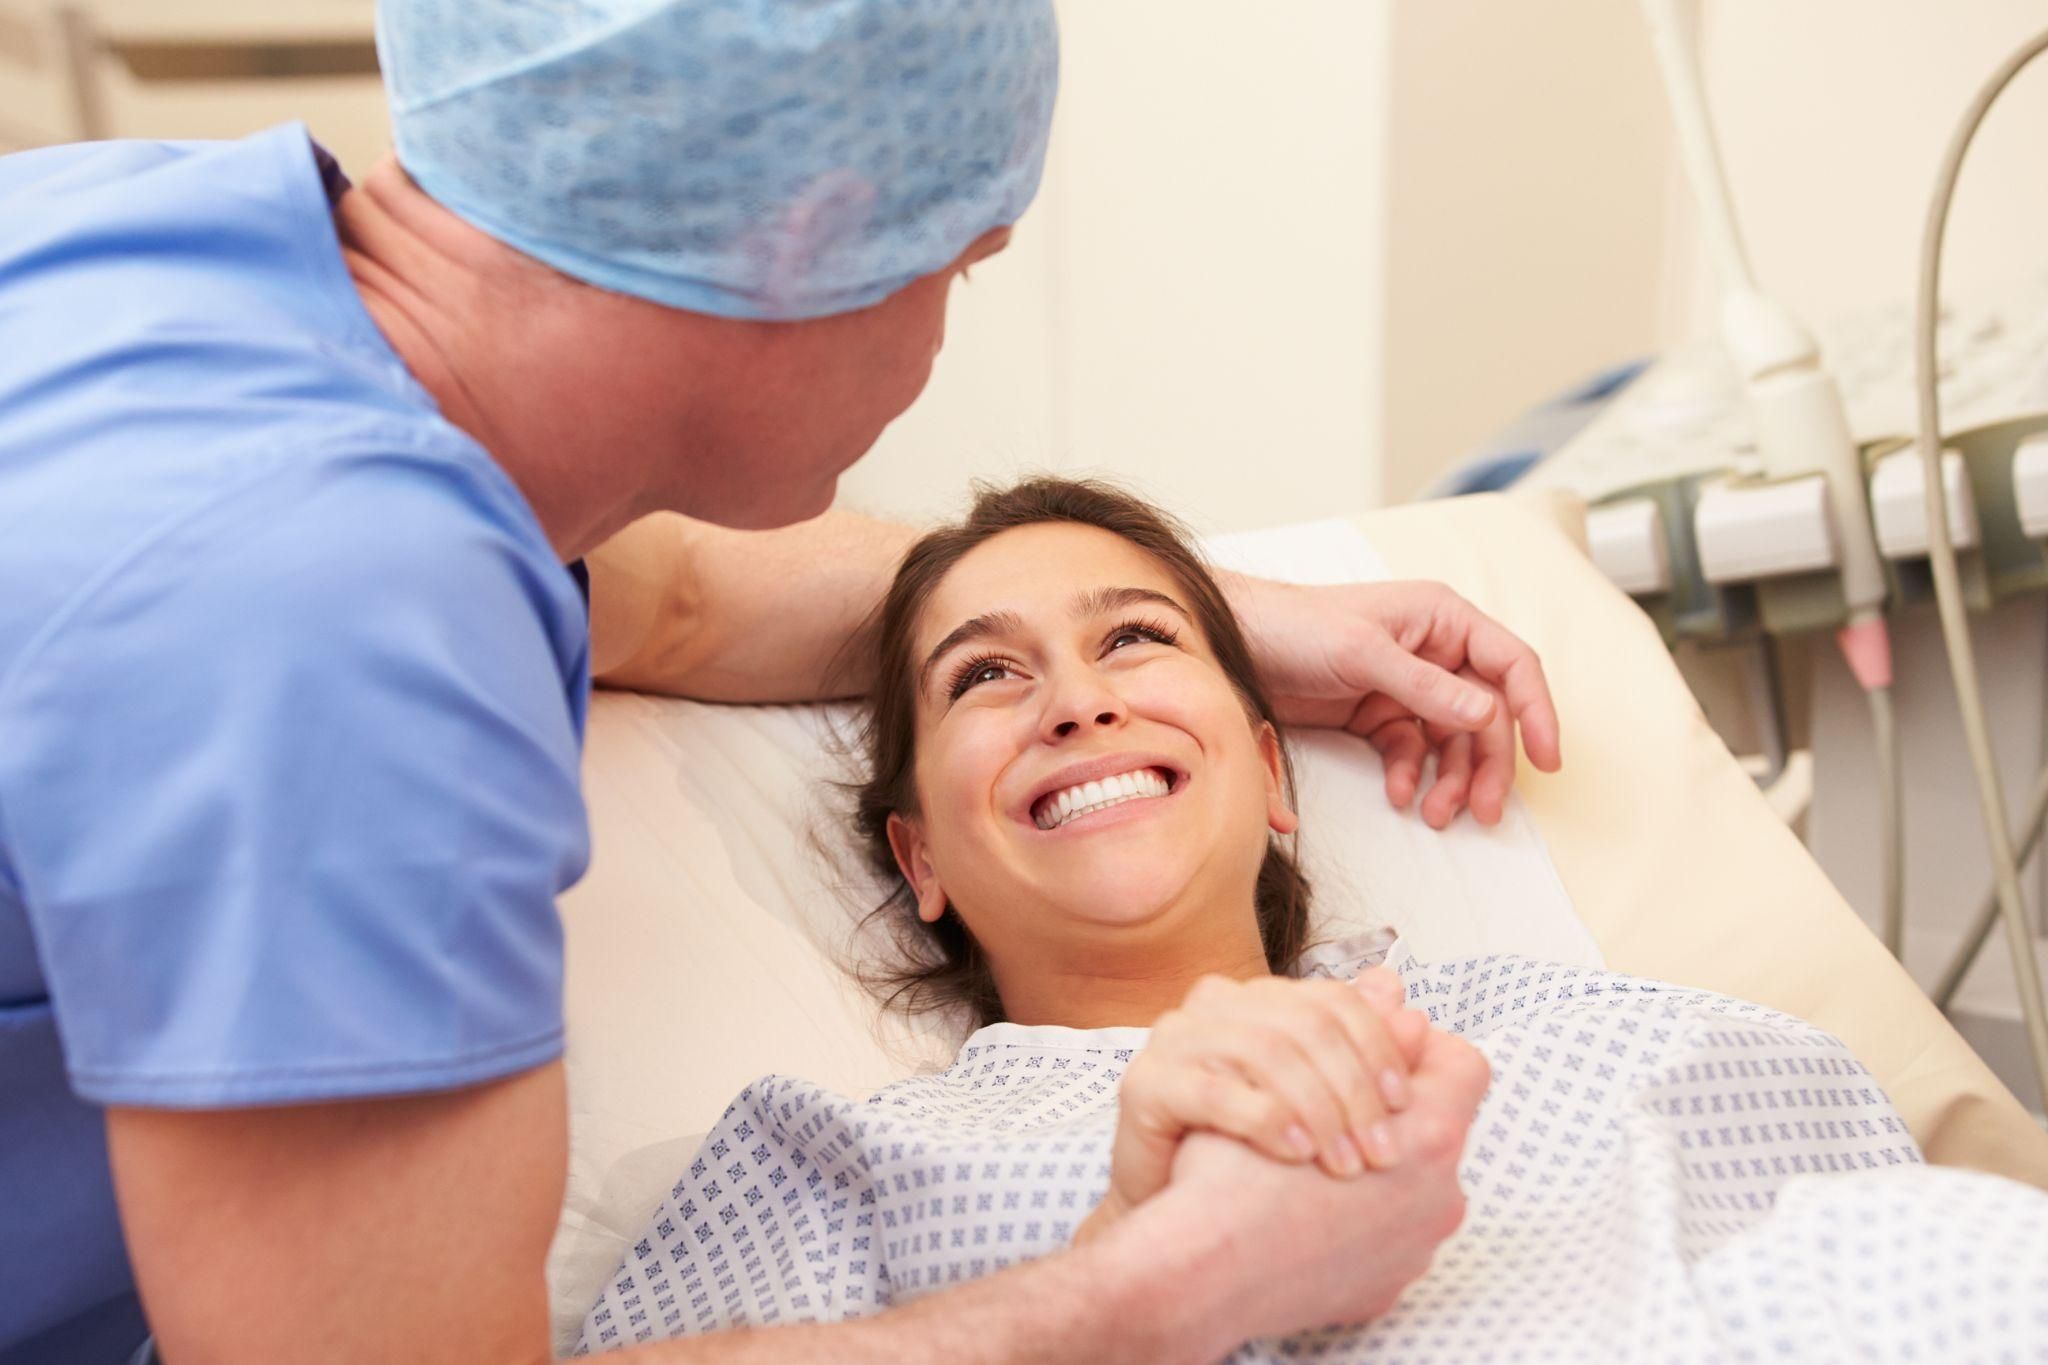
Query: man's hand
x=1297 y=1070
x=1415 y=669
x=1285 y=1248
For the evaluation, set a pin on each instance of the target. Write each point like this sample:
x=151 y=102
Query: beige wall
x=35 y=98
x=1527 y=208
x=189 y=69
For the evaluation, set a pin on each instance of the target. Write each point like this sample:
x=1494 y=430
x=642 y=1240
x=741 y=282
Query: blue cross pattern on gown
x=1657 y=1173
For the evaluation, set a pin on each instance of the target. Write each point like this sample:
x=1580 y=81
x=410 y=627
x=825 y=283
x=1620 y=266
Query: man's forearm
x=695 y=610
x=1123 y=1297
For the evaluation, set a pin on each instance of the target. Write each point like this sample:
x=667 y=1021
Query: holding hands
x=1313 y=1128
x=1329 y=1252
x=1300 y=1071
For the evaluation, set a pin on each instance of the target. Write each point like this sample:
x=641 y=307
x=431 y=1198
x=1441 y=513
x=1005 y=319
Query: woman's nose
x=1081 y=702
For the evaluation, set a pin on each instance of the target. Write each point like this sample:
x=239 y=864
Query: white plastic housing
x=2030 y=485
x=1800 y=423
x=1764 y=531
x=1801 y=426
x=1898 y=504
x=1627 y=541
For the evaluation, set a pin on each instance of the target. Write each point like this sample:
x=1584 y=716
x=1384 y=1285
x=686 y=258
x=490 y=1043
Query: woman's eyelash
x=963 y=679
x=963 y=676
x=1156 y=631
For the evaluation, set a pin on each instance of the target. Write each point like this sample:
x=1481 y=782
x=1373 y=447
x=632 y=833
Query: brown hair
x=942 y=969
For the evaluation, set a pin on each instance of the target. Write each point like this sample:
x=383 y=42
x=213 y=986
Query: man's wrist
x=1164 y=1270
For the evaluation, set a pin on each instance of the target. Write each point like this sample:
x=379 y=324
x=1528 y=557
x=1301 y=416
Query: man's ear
x=1280 y=816
x=913 y=860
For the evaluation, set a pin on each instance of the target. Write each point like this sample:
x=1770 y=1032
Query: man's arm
x=695 y=610
x=417 y=1229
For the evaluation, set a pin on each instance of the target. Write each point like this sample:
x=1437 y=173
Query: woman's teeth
x=1062 y=806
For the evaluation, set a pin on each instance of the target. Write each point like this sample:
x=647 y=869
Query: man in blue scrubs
x=292 y=677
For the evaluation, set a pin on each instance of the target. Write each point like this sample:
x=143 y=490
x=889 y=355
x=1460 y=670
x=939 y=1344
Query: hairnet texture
x=748 y=158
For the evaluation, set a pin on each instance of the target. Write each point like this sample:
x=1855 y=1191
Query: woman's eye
x=1139 y=635
x=974 y=673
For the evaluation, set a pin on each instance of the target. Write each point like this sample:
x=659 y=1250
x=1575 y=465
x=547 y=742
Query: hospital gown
x=1656 y=1173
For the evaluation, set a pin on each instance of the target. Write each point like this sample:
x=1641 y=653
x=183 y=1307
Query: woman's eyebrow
x=1089 y=602
x=1102 y=601
x=976 y=628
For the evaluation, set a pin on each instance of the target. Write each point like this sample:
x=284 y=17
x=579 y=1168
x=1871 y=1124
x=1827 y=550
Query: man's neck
x=437 y=289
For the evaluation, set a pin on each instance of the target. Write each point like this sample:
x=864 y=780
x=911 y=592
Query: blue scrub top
x=291 y=698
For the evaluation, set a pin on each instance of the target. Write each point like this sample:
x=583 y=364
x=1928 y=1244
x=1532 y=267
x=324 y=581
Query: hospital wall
x=1302 y=265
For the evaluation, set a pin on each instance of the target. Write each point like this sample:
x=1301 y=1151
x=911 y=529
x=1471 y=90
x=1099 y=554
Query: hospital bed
x=706 y=945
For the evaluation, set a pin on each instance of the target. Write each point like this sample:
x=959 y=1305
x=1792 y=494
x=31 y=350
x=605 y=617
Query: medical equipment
x=1698 y=523
x=705 y=943
x=1947 y=579
x=1807 y=462
x=1801 y=429
x=756 y=159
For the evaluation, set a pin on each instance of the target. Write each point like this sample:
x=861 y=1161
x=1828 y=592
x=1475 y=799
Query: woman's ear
x=1280 y=816
x=906 y=841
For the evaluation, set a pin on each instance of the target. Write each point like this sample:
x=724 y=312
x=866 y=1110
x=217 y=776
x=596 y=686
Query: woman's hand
x=1297 y=1070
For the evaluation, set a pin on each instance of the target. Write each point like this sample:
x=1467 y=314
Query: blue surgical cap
x=747 y=158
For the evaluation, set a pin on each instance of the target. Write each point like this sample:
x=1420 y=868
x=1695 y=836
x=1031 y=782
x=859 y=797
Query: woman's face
x=1084 y=766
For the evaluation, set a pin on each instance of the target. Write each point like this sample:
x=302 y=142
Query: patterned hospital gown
x=1657 y=1173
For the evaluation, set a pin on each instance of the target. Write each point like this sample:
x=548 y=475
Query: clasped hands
x=1317 y=1124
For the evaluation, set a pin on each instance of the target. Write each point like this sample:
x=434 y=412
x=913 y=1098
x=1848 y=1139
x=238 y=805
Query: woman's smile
x=1081 y=789
x=1077 y=806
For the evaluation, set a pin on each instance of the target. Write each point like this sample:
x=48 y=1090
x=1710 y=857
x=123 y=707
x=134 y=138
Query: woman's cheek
x=971 y=761
x=1186 y=694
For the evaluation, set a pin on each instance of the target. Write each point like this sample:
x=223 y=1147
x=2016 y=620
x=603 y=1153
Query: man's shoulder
x=205 y=379
x=361 y=538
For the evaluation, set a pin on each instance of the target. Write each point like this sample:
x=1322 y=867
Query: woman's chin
x=1119 y=896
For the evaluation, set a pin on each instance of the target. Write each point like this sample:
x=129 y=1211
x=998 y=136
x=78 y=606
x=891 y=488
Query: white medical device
x=1807 y=507
x=1802 y=430
x=1802 y=506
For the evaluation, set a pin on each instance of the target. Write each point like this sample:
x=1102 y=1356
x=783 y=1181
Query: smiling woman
x=1061 y=676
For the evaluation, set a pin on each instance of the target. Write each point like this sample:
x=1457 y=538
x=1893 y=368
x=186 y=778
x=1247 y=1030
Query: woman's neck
x=1127 y=987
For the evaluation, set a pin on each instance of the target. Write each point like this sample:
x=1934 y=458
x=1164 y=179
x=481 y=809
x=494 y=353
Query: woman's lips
x=1086 y=799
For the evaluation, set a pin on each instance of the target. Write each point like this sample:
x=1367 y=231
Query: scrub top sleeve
x=292 y=794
